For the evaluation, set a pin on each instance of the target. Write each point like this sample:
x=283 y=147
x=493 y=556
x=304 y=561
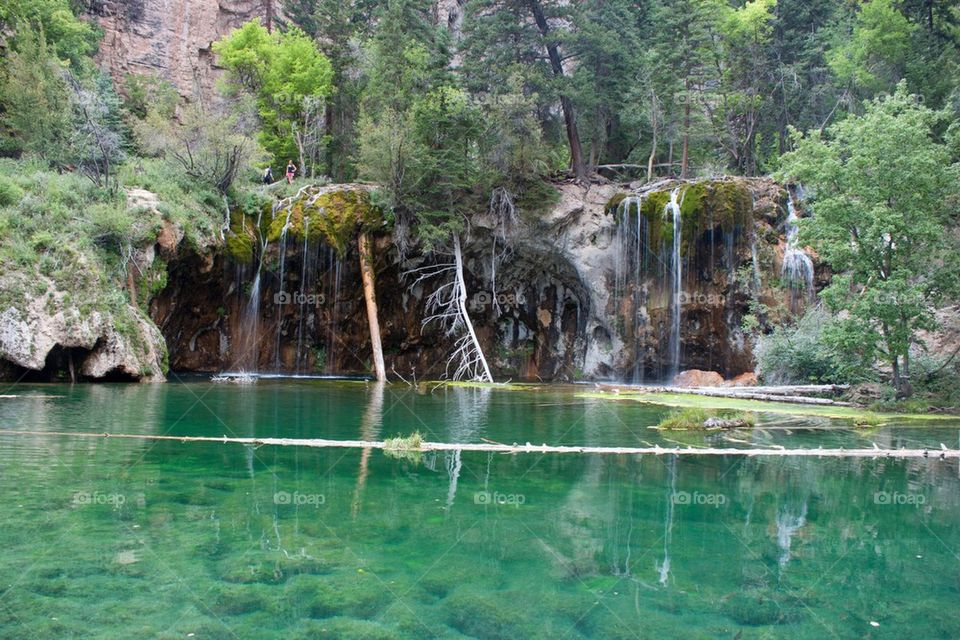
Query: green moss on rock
x=335 y=217
x=703 y=206
x=614 y=203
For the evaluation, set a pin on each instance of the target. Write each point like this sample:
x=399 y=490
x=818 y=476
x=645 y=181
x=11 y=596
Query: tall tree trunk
x=685 y=157
x=569 y=117
x=268 y=14
x=653 y=144
x=370 y=294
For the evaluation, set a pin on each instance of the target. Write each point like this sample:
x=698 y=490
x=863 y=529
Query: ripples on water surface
x=130 y=539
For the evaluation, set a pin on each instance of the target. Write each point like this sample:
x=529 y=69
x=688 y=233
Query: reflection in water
x=394 y=550
x=663 y=568
x=471 y=417
x=370 y=426
x=788 y=524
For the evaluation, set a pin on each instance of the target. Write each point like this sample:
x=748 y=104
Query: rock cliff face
x=577 y=293
x=169 y=38
x=587 y=290
x=173 y=38
x=77 y=329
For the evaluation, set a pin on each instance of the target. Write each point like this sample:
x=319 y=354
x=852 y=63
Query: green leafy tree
x=884 y=193
x=71 y=40
x=290 y=79
x=875 y=55
x=35 y=97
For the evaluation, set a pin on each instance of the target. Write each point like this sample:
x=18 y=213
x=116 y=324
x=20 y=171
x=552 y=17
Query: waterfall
x=249 y=343
x=280 y=290
x=633 y=264
x=676 y=279
x=304 y=289
x=333 y=265
x=797 y=266
x=632 y=242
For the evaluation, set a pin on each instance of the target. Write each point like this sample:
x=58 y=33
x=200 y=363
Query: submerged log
x=770 y=397
x=720 y=423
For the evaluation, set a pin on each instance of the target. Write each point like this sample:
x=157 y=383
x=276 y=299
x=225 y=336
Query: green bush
x=800 y=354
x=10 y=193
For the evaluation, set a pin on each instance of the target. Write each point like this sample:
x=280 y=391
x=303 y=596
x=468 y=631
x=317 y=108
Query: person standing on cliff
x=268 y=176
x=291 y=171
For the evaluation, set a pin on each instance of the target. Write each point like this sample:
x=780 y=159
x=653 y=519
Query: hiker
x=268 y=176
x=291 y=171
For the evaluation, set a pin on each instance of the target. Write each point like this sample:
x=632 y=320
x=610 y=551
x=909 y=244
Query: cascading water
x=636 y=261
x=797 y=269
x=332 y=300
x=283 y=293
x=304 y=287
x=632 y=246
x=676 y=280
x=247 y=356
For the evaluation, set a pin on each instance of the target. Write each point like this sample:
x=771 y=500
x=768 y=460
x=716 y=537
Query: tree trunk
x=685 y=158
x=895 y=365
x=464 y=313
x=370 y=294
x=268 y=14
x=653 y=144
x=569 y=117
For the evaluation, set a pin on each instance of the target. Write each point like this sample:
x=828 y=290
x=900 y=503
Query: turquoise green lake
x=112 y=538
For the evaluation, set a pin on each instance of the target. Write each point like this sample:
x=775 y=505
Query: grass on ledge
x=404 y=448
x=695 y=418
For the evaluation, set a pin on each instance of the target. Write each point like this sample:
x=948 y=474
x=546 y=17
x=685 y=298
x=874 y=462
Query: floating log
x=490 y=447
x=770 y=394
x=769 y=397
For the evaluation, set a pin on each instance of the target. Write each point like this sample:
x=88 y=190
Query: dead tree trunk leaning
x=370 y=294
x=462 y=304
x=447 y=305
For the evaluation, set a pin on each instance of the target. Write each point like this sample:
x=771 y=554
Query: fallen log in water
x=746 y=395
x=943 y=453
x=791 y=389
x=769 y=394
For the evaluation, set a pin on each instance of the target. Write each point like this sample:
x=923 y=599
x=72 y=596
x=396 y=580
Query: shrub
x=801 y=354
x=10 y=193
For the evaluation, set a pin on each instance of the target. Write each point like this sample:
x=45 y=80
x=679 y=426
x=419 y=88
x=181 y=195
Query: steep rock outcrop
x=168 y=38
x=48 y=336
x=78 y=328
